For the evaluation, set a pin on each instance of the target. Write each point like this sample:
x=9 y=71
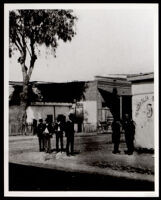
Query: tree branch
x=28 y=50
x=18 y=40
x=22 y=58
x=33 y=57
x=17 y=45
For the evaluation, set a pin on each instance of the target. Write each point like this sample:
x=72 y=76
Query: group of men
x=128 y=125
x=46 y=130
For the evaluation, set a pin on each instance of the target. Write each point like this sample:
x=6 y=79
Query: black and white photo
x=81 y=100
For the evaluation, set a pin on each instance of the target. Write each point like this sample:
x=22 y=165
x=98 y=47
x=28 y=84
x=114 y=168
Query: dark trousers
x=47 y=144
x=70 y=145
x=116 y=146
x=41 y=143
x=116 y=141
x=129 y=143
x=59 y=138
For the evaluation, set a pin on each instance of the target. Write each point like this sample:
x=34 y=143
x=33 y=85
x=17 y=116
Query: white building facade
x=143 y=109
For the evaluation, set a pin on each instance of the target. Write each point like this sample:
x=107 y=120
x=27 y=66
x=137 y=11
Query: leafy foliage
x=40 y=27
x=30 y=28
x=34 y=95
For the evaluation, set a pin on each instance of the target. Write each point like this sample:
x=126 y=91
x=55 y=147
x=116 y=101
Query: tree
x=28 y=29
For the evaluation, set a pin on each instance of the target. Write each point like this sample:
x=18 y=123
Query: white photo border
x=7 y=8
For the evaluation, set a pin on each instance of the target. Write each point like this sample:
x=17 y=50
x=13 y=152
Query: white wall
x=143 y=113
x=89 y=112
x=37 y=112
x=90 y=115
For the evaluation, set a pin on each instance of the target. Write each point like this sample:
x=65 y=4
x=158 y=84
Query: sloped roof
x=50 y=92
x=61 y=92
x=142 y=77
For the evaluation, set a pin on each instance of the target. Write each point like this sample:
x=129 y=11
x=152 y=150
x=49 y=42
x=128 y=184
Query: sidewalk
x=93 y=154
x=29 y=137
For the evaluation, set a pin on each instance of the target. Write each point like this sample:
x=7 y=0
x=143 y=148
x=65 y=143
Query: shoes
x=48 y=151
x=128 y=152
x=115 y=152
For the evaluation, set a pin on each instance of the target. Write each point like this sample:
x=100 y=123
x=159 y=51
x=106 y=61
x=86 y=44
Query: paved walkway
x=93 y=154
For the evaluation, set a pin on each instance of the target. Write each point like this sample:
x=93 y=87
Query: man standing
x=48 y=131
x=59 y=128
x=40 y=130
x=70 y=135
x=116 y=135
x=129 y=128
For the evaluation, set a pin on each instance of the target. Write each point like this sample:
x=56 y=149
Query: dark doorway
x=126 y=105
x=34 y=124
x=112 y=101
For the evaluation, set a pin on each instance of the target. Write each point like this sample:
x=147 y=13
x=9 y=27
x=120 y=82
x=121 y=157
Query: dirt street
x=93 y=155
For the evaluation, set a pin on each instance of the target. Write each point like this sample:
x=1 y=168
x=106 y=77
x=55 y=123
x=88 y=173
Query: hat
x=47 y=120
x=71 y=116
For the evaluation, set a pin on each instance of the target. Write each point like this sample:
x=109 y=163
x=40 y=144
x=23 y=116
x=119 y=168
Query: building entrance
x=117 y=105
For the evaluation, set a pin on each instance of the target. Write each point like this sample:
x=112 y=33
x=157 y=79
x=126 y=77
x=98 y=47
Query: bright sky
x=107 y=42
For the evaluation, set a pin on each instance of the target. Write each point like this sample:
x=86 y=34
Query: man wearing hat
x=59 y=130
x=48 y=131
x=116 y=135
x=69 y=130
x=40 y=130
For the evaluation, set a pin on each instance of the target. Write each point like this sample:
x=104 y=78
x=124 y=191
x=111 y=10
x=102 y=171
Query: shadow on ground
x=28 y=178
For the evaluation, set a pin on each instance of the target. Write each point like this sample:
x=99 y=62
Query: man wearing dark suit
x=116 y=135
x=59 y=128
x=129 y=128
x=69 y=130
x=48 y=131
x=40 y=130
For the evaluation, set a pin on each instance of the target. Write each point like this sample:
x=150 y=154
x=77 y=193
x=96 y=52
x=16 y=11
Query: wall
x=89 y=111
x=41 y=111
x=37 y=112
x=90 y=115
x=15 y=128
x=91 y=91
x=143 y=113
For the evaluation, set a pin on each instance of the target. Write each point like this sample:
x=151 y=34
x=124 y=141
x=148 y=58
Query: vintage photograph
x=81 y=97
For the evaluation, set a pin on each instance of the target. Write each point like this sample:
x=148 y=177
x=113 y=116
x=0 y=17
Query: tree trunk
x=26 y=73
x=23 y=106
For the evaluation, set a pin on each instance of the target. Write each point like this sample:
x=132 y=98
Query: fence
x=16 y=129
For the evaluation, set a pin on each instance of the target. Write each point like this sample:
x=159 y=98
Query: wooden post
x=120 y=107
x=54 y=114
x=120 y=112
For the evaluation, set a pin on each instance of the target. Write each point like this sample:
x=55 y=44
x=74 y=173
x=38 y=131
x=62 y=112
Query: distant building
x=93 y=102
x=143 y=109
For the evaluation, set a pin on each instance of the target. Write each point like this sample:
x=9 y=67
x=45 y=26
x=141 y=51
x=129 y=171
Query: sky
x=108 y=41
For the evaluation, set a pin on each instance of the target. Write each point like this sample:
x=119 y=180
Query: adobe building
x=93 y=102
x=143 y=109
